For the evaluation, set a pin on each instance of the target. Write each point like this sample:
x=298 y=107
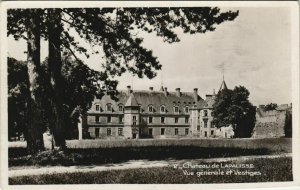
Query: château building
x=151 y=114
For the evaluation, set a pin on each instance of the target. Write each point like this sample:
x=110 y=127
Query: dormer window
x=150 y=108
x=162 y=109
x=176 y=109
x=97 y=107
x=109 y=107
x=186 y=109
x=120 y=107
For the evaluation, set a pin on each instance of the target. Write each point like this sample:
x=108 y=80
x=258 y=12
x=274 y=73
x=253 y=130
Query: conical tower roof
x=223 y=86
x=131 y=102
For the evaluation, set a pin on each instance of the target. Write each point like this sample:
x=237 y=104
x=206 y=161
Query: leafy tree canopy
x=232 y=107
x=114 y=31
x=80 y=82
x=271 y=106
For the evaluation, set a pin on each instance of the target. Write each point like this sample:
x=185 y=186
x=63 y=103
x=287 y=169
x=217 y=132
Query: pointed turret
x=223 y=86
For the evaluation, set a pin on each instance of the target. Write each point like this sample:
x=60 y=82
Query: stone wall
x=270 y=125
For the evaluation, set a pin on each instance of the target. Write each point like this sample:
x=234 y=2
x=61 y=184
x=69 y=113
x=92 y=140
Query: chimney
x=129 y=89
x=196 y=94
x=166 y=91
x=151 y=88
x=178 y=92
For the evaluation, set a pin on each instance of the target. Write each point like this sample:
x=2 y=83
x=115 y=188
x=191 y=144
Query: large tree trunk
x=55 y=66
x=35 y=104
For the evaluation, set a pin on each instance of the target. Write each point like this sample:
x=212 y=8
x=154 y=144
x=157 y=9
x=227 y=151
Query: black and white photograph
x=150 y=93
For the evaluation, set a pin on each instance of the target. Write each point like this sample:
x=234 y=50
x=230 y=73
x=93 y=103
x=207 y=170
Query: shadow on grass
x=99 y=156
x=271 y=170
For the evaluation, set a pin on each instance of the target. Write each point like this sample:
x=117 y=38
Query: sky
x=254 y=50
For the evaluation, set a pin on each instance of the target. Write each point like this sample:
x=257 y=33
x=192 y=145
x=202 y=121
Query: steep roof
x=131 y=102
x=156 y=99
x=223 y=86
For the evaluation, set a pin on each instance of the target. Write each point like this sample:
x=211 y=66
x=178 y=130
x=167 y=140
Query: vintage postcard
x=149 y=94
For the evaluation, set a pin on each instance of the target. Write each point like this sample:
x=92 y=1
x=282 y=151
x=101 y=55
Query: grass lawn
x=97 y=152
x=271 y=170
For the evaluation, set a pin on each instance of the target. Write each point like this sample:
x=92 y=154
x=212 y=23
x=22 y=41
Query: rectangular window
x=176 y=131
x=120 y=108
x=205 y=133
x=108 y=119
x=150 y=109
x=186 y=109
x=108 y=131
x=186 y=119
x=97 y=119
x=162 y=131
x=186 y=131
x=150 y=131
x=205 y=113
x=198 y=128
x=134 y=118
x=134 y=123
x=97 y=107
x=211 y=132
x=120 y=131
x=205 y=123
x=162 y=120
x=176 y=109
x=150 y=119
x=176 y=119
x=97 y=131
x=120 y=119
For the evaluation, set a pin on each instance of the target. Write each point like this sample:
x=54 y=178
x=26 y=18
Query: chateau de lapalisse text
x=162 y=114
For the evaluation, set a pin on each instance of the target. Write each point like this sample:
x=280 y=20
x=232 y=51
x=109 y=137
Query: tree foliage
x=80 y=87
x=288 y=127
x=18 y=95
x=270 y=106
x=232 y=107
x=111 y=32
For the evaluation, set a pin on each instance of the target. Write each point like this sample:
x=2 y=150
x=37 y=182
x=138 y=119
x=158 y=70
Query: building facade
x=151 y=114
x=169 y=114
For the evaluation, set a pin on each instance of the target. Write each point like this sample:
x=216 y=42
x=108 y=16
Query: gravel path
x=132 y=164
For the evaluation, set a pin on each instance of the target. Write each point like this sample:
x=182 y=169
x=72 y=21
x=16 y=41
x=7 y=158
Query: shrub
x=54 y=157
x=273 y=144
